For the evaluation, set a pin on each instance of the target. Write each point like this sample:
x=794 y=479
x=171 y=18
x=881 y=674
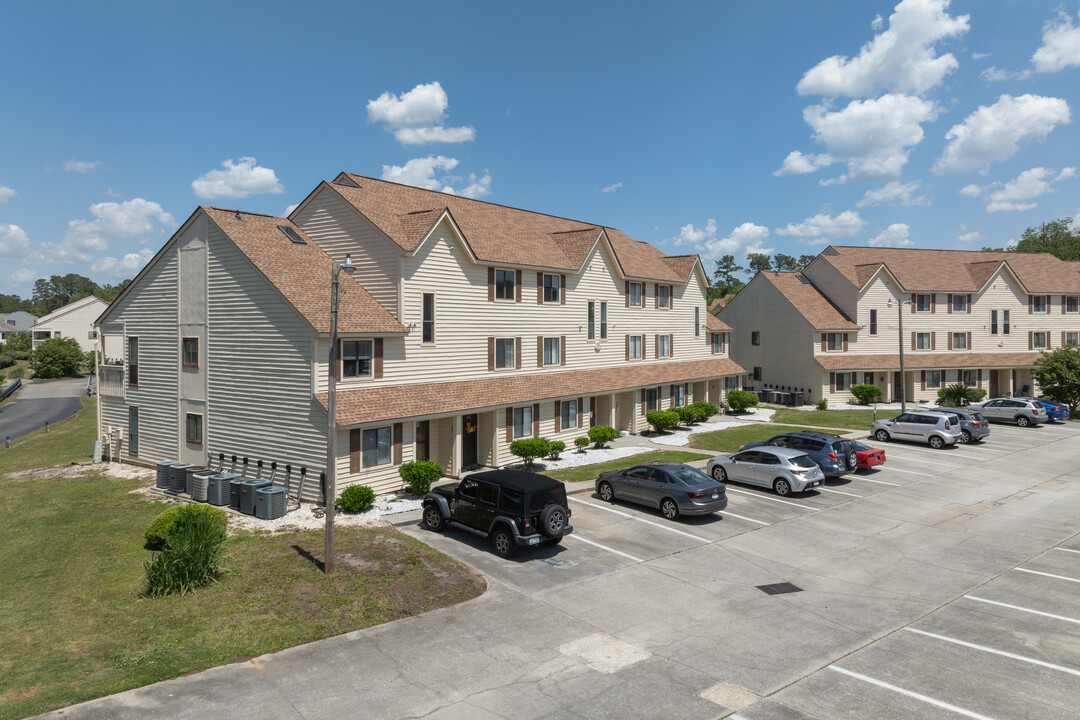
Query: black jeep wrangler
x=509 y=506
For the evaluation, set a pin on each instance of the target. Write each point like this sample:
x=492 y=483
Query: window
x=376 y=446
x=133 y=361
x=922 y=341
x=635 y=295
x=959 y=303
x=843 y=381
x=552 y=355
x=718 y=342
x=663 y=346
x=959 y=341
x=680 y=396
x=355 y=358
x=933 y=378
x=922 y=303
x=635 y=347
x=504 y=284
x=663 y=296
x=191 y=352
x=1038 y=340
x=568 y=409
x=504 y=352
x=133 y=430
x=194 y=428
x=489 y=494
x=873 y=322
x=603 y=320
x=1072 y=338
x=523 y=421
x=551 y=289
x=469 y=488
x=755 y=337
x=757 y=374
x=993 y=322
x=1038 y=303
x=429 y=318
x=970 y=378
x=1072 y=304
x=650 y=399
x=697 y=321
x=1005 y=322
x=835 y=341
x=592 y=320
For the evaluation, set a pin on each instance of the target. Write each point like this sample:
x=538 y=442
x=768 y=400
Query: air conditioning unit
x=247 y=494
x=163 y=473
x=198 y=482
x=178 y=477
x=234 y=491
x=219 y=488
x=270 y=502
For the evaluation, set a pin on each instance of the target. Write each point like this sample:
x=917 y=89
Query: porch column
x=455 y=455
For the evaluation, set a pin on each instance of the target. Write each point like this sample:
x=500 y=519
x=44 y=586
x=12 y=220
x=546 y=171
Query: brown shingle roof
x=717 y=303
x=918 y=361
x=918 y=269
x=497 y=233
x=714 y=323
x=809 y=301
x=406 y=401
x=302 y=273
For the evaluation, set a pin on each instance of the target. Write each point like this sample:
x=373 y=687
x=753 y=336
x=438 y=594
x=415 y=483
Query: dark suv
x=509 y=506
x=832 y=453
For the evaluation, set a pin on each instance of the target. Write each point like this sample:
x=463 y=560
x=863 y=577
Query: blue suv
x=833 y=454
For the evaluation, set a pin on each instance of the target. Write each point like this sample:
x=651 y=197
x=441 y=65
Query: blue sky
x=712 y=127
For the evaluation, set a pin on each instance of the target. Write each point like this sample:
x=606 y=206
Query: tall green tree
x=785 y=263
x=58 y=290
x=805 y=260
x=1056 y=237
x=108 y=293
x=759 y=262
x=1058 y=374
x=725 y=276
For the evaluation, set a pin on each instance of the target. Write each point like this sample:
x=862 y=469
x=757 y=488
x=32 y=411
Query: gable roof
x=918 y=269
x=715 y=324
x=717 y=304
x=502 y=234
x=818 y=310
x=78 y=304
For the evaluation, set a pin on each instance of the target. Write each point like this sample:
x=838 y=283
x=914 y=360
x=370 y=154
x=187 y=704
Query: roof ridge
x=246 y=212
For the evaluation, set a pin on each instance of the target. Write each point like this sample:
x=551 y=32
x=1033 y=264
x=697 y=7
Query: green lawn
x=589 y=472
x=729 y=440
x=838 y=419
x=67 y=441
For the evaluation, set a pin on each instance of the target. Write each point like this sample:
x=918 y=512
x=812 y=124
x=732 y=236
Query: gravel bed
x=573 y=458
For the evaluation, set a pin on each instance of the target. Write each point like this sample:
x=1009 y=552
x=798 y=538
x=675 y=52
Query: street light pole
x=903 y=375
x=330 y=491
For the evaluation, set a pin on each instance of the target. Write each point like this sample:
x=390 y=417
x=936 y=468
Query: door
x=655 y=487
x=742 y=469
x=634 y=482
x=994 y=383
x=767 y=469
x=463 y=506
x=896 y=386
x=423 y=444
x=469 y=438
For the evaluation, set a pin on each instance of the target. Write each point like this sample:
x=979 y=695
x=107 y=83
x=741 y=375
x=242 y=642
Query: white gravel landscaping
x=681 y=436
x=573 y=458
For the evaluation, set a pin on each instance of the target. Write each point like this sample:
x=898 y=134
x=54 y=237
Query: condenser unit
x=163 y=473
x=218 y=488
x=197 y=481
x=247 y=494
x=270 y=502
x=178 y=477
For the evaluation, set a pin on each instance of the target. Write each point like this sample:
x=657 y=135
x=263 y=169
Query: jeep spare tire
x=552 y=521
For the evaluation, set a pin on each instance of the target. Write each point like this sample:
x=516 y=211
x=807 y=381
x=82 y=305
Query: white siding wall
x=76 y=323
x=834 y=285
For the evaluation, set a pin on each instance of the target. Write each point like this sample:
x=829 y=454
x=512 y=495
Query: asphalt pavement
x=38 y=402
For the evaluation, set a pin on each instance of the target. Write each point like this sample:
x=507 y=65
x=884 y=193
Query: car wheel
x=1022 y=421
x=882 y=436
x=965 y=437
x=852 y=460
x=433 y=519
x=719 y=473
x=607 y=493
x=669 y=508
x=552 y=521
x=502 y=541
x=782 y=487
x=936 y=442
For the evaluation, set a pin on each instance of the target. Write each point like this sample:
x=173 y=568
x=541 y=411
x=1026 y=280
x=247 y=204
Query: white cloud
x=417 y=116
x=137 y=218
x=845 y=224
x=746 y=238
x=477 y=187
x=896 y=235
x=979 y=55
x=1061 y=45
x=971 y=190
x=872 y=136
x=611 y=188
x=13 y=241
x=125 y=266
x=7 y=193
x=81 y=166
x=239 y=179
x=289 y=209
x=420 y=172
x=796 y=163
x=1025 y=187
x=993 y=133
x=994 y=74
x=689 y=235
x=968 y=238
x=894 y=193
x=900 y=59
x=24 y=276
x=877 y=23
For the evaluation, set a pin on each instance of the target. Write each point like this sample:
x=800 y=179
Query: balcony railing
x=112 y=380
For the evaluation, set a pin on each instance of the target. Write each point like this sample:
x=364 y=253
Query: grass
x=836 y=419
x=731 y=439
x=67 y=441
x=589 y=472
x=74 y=626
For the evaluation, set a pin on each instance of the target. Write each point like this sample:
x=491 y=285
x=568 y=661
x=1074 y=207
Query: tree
x=759 y=262
x=785 y=263
x=1058 y=374
x=1056 y=237
x=58 y=290
x=19 y=342
x=805 y=260
x=725 y=275
x=108 y=293
x=58 y=357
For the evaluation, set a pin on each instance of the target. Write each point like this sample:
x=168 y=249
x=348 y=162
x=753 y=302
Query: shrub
x=420 y=474
x=356 y=498
x=191 y=556
x=6 y=360
x=865 y=393
x=528 y=449
x=581 y=443
x=160 y=526
x=556 y=447
x=822 y=404
x=602 y=434
x=707 y=409
x=19 y=342
x=957 y=395
x=16 y=372
x=740 y=400
x=20 y=354
x=687 y=414
x=661 y=420
x=58 y=357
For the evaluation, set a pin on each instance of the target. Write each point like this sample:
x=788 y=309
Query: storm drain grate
x=779 y=588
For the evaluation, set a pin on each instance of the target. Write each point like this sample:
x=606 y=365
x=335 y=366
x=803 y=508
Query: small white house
x=74 y=320
x=18 y=321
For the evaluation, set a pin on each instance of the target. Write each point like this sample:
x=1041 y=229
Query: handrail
x=12 y=387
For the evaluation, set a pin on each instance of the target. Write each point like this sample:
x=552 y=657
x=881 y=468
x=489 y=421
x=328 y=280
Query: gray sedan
x=782 y=469
x=675 y=488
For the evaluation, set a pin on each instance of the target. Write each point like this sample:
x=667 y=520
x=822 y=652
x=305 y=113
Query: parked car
x=868 y=456
x=973 y=426
x=832 y=453
x=676 y=489
x=937 y=429
x=783 y=469
x=1012 y=410
x=511 y=507
x=1054 y=411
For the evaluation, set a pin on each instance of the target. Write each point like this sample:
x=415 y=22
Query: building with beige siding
x=976 y=318
x=74 y=320
x=466 y=325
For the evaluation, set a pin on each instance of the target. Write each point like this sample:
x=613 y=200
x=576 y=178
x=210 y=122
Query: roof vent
x=803 y=279
x=292 y=235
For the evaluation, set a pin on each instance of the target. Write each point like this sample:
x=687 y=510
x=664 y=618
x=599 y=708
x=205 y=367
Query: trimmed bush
x=6 y=360
x=822 y=404
x=419 y=475
x=866 y=393
x=356 y=499
x=554 y=448
x=687 y=414
x=602 y=434
x=662 y=420
x=740 y=400
x=160 y=526
x=191 y=556
x=581 y=443
x=957 y=395
x=528 y=449
x=707 y=409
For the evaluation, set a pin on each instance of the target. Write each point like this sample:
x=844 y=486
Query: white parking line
x=1059 y=577
x=764 y=497
x=902 y=458
x=1002 y=653
x=838 y=492
x=908 y=693
x=909 y=472
x=641 y=519
x=742 y=517
x=604 y=547
x=994 y=440
x=1066 y=550
x=1023 y=609
x=879 y=482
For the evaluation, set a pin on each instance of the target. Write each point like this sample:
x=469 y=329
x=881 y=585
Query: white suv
x=935 y=428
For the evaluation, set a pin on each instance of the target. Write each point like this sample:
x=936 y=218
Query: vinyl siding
x=75 y=323
x=834 y=285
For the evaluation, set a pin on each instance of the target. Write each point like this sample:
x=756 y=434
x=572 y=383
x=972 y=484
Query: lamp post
x=903 y=377
x=330 y=491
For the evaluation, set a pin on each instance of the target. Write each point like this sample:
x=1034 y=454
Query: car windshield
x=692 y=476
x=539 y=498
x=803 y=461
x=856 y=445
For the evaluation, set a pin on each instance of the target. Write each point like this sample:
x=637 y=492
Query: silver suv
x=1012 y=410
x=934 y=428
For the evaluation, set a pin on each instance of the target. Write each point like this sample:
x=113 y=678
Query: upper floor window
x=603 y=320
x=133 y=361
x=552 y=288
x=835 y=341
x=191 y=352
x=959 y=303
x=523 y=421
x=873 y=322
x=429 y=318
x=1039 y=303
x=718 y=342
x=568 y=410
x=663 y=346
x=993 y=322
x=755 y=337
x=1039 y=340
x=959 y=341
x=1071 y=303
x=591 y=320
x=633 y=294
x=922 y=303
x=922 y=341
x=504 y=352
x=505 y=281
x=633 y=347
x=663 y=296
x=1005 y=322
x=355 y=358
x=552 y=354
x=697 y=321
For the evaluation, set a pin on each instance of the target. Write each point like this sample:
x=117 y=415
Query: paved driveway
x=38 y=402
x=941 y=585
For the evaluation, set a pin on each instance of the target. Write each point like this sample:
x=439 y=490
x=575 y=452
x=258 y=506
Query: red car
x=868 y=456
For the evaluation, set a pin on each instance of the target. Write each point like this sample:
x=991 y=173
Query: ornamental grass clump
x=160 y=526
x=191 y=555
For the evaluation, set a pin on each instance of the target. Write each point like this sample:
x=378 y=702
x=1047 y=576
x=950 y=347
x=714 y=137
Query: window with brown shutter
x=1031 y=340
x=948 y=304
x=536 y=419
x=628 y=348
x=517 y=286
x=656 y=346
x=562 y=289
x=845 y=342
x=509 y=424
x=558 y=415
x=933 y=303
x=517 y=353
x=491 y=354
x=825 y=340
x=832 y=382
x=933 y=341
x=355 y=445
x=491 y=284
x=627 y=293
x=398 y=432
x=377 y=362
x=912 y=340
